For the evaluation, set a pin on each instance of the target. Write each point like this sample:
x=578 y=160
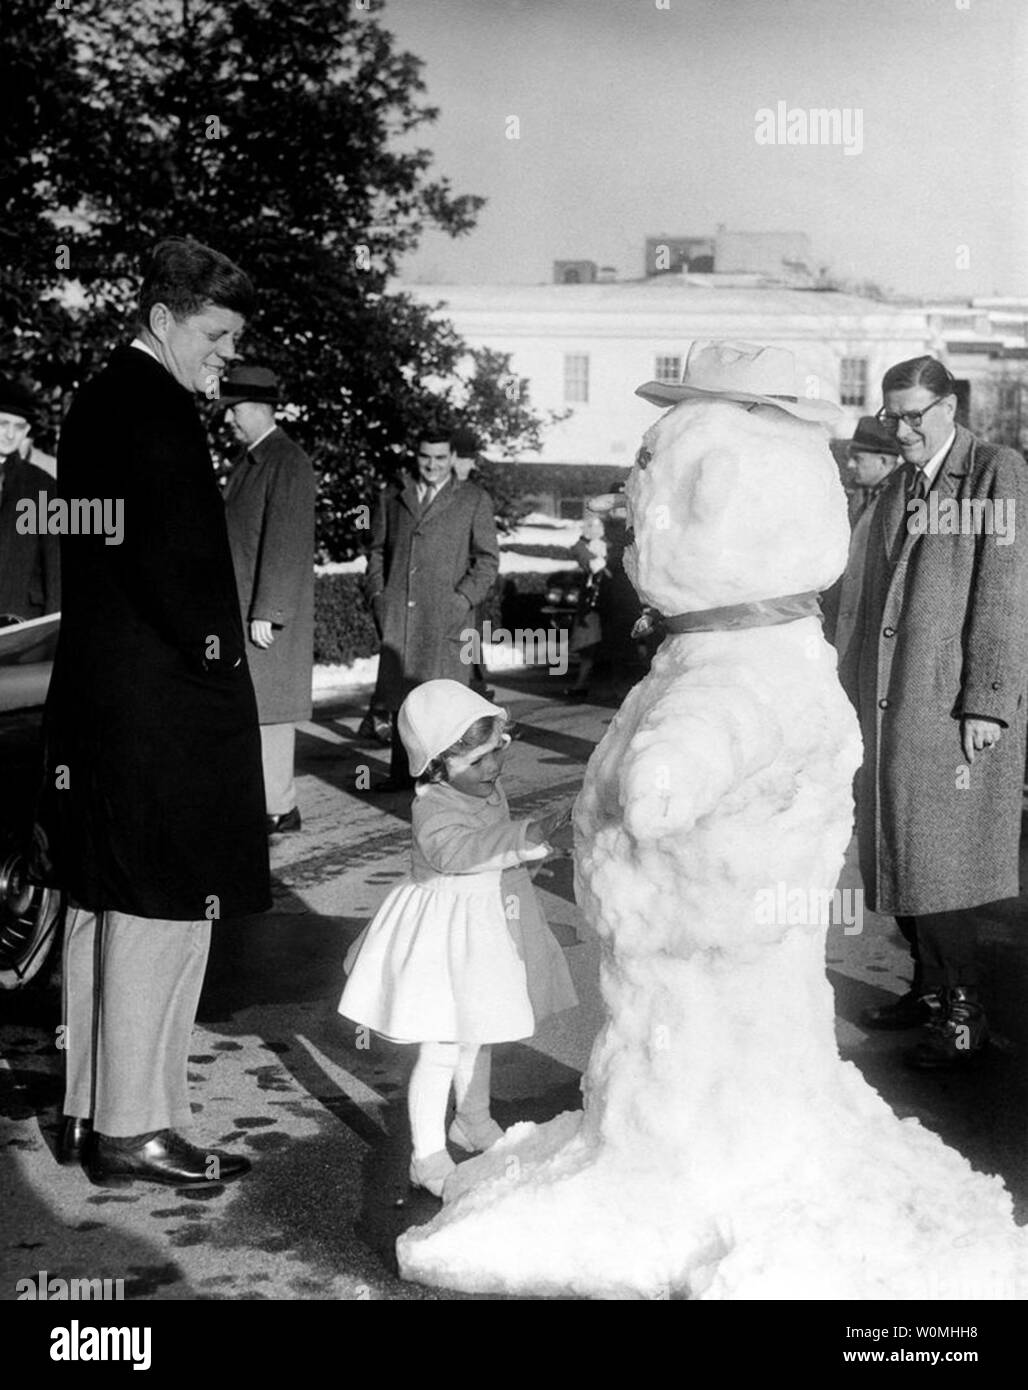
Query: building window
x=668 y=369
x=853 y=381
x=576 y=378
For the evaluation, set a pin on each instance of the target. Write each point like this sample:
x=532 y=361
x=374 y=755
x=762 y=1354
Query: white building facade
x=586 y=347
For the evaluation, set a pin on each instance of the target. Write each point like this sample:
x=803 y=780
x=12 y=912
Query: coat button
x=889 y=632
x=995 y=685
x=410 y=603
x=883 y=704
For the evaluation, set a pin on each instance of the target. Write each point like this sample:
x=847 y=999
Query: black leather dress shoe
x=911 y=1011
x=71 y=1138
x=285 y=824
x=166 y=1158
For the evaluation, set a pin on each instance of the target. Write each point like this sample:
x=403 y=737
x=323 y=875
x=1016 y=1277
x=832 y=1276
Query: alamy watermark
x=75 y=516
x=534 y=646
x=792 y=125
x=965 y=516
x=783 y=906
x=49 y=1287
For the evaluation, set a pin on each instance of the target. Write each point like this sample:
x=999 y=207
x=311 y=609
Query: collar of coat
x=442 y=499
x=893 y=501
x=254 y=451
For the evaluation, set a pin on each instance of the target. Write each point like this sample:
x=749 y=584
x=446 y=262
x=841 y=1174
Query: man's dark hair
x=433 y=434
x=185 y=275
x=920 y=371
x=465 y=442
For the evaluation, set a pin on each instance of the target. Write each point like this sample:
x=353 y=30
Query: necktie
x=919 y=485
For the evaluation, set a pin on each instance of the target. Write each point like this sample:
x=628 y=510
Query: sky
x=639 y=117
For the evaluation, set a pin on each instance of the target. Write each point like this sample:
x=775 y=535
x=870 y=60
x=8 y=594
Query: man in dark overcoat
x=153 y=803
x=938 y=671
x=269 y=505
x=30 y=578
x=873 y=454
x=432 y=559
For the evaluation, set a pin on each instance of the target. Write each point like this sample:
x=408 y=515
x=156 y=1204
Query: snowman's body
x=725 y=1151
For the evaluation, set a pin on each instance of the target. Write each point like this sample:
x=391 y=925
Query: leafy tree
x=282 y=134
x=494 y=403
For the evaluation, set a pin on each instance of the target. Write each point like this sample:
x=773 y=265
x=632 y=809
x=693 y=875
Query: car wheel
x=30 y=915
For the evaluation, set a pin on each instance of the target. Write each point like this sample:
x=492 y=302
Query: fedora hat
x=744 y=372
x=249 y=383
x=17 y=399
x=872 y=438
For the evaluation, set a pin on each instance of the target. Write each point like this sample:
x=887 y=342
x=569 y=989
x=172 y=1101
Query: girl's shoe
x=431 y=1172
x=474 y=1136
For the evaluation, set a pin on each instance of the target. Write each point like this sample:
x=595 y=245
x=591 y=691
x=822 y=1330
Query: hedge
x=344 y=630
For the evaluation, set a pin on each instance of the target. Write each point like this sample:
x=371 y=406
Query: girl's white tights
x=464 y=1066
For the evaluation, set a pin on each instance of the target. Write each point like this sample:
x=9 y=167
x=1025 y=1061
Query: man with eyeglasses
x=30 y=585
x=938 y=671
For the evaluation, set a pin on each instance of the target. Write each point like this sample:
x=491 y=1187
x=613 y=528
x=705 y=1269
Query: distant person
x=445 y=963
x=938 y=670
x=433 y=557
x=30 y=571
x=590 y=551
x=153 y=801
x=269 y=504
x=873 y=455
x=466 y=448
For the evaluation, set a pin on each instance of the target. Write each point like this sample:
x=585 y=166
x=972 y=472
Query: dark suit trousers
x=944 y=947
x=399 y=765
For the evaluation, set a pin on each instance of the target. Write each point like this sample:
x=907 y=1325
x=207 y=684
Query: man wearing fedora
x=30 y=577
x=152 y=804
x=873 y=454
x=938 y=671
x=269 y=505
x=432 y=559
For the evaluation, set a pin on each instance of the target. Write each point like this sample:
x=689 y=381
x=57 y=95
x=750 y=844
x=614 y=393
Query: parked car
x=31 y=910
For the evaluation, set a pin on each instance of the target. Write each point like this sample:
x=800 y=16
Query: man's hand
x=978 y=735
x=261 y=634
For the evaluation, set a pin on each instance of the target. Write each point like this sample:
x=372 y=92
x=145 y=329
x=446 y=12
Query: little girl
x=455 y=959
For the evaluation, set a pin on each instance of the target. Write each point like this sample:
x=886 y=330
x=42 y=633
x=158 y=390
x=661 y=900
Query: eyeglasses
x=911 y=418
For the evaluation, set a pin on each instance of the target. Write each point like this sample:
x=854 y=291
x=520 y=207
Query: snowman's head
x=729 y=505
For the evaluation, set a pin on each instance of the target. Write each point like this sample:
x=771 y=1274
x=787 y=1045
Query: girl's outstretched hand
x=563 y=838
x=543 y=829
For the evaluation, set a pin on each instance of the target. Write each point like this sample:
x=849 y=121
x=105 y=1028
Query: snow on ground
x=535 y=529
x=330 y=681
x=335 y=680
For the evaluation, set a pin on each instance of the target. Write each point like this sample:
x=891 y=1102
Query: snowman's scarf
x=765 y=612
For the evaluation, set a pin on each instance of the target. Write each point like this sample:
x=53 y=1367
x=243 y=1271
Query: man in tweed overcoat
x=938 y=670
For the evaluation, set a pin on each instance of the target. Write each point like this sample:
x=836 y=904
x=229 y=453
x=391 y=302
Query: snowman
x=724 y=1151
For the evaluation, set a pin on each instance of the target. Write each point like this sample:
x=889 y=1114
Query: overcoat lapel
x=409 y=498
